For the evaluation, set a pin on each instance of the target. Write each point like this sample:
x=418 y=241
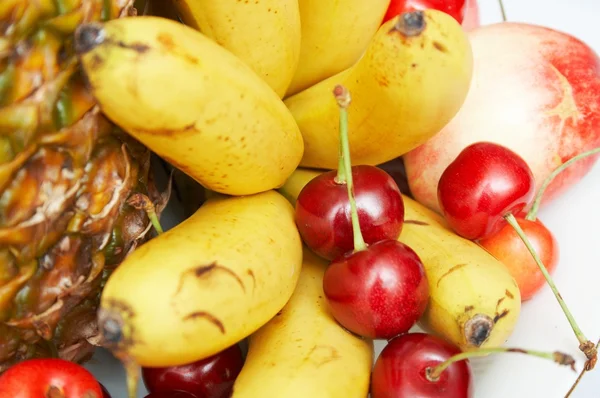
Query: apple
x=466 y=12
x=536 y=91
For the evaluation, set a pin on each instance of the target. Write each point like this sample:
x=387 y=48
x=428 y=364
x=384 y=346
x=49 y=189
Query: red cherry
x=379 y=292
x=483 y=184
x=401 y=369
x=323 y=211
x=508 y=247
x=39 y=377
x=212 y=377
x=170 y=394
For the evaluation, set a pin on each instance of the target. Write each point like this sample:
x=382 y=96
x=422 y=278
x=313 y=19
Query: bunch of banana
x=474 y=301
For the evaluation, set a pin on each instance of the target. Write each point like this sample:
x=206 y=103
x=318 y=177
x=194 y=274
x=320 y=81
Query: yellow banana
x=265 y=34
x=410 y=83
x=303 y=352
x=204 y=285
x=474 y=301
x=335 y=34
x=192 y=102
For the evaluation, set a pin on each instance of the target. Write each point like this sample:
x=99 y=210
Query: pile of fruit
x=350 y=170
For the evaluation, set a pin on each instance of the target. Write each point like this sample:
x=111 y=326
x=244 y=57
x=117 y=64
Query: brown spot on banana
x=169 y=132
x=440 y=47
x=208 y=316
x=500 y=315
x=509 y=294
x=451 y=270
x=322 y=354
x=206 y=271
x=90 y=35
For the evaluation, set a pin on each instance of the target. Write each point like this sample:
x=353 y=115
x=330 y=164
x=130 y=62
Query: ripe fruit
x=323 y=210
x=401 y=369
x=219 y=122
x=454 y=8
x=212 y=377
x=48 y=378
x=409 y=83
x=378 y=292
x=237 y=272
x=264 y=34
x=508 y=247
x=303 y=352
x=482 y=185
x=548 y=82
x=474 y=301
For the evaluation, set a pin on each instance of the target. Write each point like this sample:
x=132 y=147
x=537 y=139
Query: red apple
x=535 y=91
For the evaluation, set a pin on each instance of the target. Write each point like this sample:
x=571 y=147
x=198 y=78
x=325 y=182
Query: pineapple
x=66 y=173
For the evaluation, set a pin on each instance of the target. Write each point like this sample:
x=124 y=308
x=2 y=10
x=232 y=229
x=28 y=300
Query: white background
x=575 y=220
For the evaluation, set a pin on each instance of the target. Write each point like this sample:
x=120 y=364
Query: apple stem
x=532 y=214
x=588 y=348
x=142 y=202
x=433 y=373
x=343 y=98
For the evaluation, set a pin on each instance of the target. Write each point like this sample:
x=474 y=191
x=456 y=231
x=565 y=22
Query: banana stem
x=342 y=96
x=142 y=202
x=532 y=214
x=132 y=373
x=433 y=374
x=586 y=346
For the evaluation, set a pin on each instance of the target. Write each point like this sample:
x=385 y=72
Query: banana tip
x=88 y=36
x=478 y=329
x=114 y=333
x=411 y=23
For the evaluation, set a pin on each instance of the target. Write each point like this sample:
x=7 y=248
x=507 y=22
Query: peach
x=536 y=91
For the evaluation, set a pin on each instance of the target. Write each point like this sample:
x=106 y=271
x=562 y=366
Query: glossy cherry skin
x=508 y=247
x=401 y=368
x=105 y=393
x=323 y=211
x=170 y=394
x=379 y=292
x=212 y=377
x=455 y=8
x=483 y=184
x=36 y=377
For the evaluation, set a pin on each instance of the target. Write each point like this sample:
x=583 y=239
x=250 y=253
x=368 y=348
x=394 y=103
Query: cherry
x=508 y=247
x=422 y=365
x=323 y=210
x=378 y=290
x=455 y=8
x=483 y=188
x=212 y=377
x=170 y=394
x=483 y=184
x=401 y=369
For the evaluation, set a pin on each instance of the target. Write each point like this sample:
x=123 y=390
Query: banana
x=474 y=301
x=303 y=352
x=265 y=34
x=410 y=83
x=334 y=35
x=205 y=284
x=192 y=102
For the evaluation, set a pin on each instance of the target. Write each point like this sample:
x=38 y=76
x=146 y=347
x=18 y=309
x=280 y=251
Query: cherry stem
x=342 y=96
x=142 y=202
x=502 y=10
x=532 y=214
x=589 y=365
x=586 y=346
x=433 y=374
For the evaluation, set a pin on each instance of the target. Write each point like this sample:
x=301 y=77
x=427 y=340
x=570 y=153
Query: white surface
x=574 y=218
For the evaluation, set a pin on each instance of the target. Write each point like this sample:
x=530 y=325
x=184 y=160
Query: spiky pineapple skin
x=66 y=173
